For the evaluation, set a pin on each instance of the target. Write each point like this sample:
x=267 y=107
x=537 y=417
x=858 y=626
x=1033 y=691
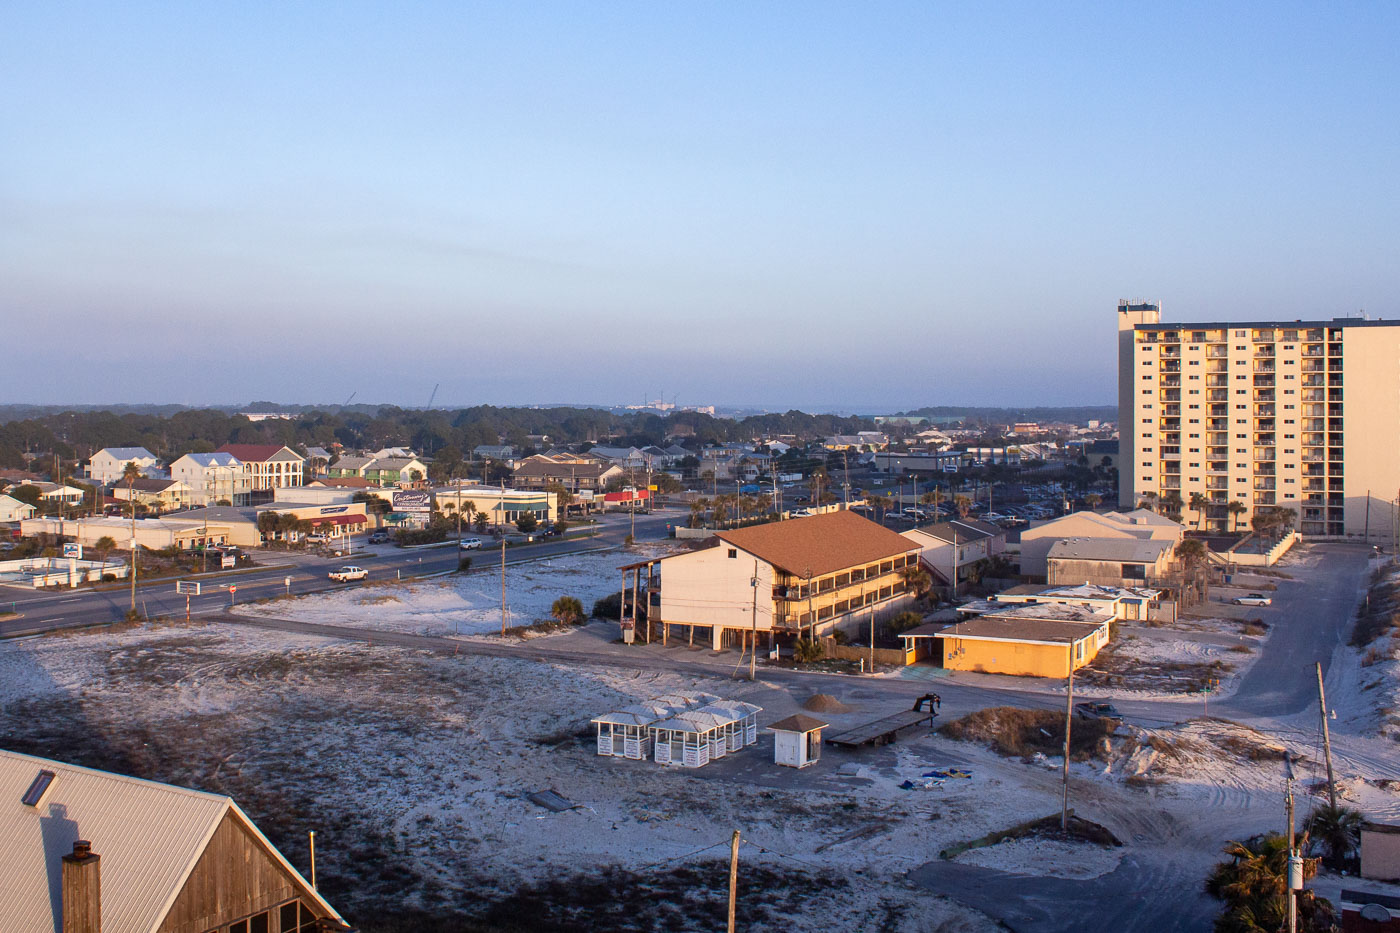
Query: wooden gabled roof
x=819 y=544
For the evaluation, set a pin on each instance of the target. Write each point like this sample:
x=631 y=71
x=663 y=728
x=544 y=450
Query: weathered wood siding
x=236 y=876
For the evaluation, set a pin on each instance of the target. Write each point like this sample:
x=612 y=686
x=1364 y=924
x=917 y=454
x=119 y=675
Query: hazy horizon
x=812 y=206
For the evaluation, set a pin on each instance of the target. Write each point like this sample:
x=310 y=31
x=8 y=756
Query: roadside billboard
x=413 y=500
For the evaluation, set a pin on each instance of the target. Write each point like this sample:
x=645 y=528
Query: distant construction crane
x=434 y=395
x=352 y=395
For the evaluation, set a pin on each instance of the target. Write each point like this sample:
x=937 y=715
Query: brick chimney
x=82 y=890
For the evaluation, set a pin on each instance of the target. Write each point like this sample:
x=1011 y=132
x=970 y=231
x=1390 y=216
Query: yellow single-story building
x=1022 y=647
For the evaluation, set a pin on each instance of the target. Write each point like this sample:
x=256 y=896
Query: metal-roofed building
x=88 y=851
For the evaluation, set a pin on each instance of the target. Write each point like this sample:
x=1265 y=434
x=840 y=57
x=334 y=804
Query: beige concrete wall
x=1063 y=571
x=1037 y=540
x=1380 y=854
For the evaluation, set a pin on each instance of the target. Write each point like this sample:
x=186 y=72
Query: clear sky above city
x=847 y=205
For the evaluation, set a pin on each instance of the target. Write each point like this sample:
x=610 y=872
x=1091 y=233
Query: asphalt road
x=1310 y=615
x=44 y=611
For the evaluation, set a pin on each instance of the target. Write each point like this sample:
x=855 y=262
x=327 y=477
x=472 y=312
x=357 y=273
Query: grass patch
x=1021 y=733
x=378 y=600
x=1380 y=616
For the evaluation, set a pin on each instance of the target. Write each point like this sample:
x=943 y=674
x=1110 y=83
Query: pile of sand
x=826 y=703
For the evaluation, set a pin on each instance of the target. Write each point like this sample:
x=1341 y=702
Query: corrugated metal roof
x=149 y=836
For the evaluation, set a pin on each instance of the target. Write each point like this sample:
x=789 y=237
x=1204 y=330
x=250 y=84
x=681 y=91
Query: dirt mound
x=826 y=703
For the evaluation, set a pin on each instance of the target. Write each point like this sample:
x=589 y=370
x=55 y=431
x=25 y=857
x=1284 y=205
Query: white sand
x=1045 y=858
x=466 y=604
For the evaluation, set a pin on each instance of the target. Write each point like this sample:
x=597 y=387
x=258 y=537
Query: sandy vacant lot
x=413 y=770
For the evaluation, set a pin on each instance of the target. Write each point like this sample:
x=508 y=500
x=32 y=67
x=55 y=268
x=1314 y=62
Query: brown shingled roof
x=820 y=544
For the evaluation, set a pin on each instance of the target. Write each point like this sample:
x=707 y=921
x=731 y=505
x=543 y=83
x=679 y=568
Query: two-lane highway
x=295 y=573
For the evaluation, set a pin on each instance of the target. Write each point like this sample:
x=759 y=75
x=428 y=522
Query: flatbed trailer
x=886 y=729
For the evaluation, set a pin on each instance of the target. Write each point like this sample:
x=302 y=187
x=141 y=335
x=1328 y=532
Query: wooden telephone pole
x=753 y=625
x=1326 y=740
x=733 y=877
x=1069 y=718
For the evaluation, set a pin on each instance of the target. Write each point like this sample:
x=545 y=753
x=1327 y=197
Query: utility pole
x=753 y=623
x=1288 y=808
x=872 y=629
x=733 y=876
x=1069 y=717
x=845 y=479
x=502 y=507
x=1326 y=740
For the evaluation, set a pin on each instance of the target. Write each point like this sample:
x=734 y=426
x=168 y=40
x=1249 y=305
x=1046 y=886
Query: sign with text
x=73 y=550
x=413 y=500
x=187 y=587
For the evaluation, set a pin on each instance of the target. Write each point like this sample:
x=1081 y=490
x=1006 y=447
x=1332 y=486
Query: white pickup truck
x=346 y=574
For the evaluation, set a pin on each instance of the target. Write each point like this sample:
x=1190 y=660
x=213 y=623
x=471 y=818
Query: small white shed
x=797 y=740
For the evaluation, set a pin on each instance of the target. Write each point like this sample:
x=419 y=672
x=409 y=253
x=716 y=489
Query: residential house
x=213 y=478
x=57 y=493
x=13 y=510
x=348 y=465
x=317 y=459
x=540 y=472
x=161 y=495
x=803 y=577
x=393 y=471
x=960 y=542
x=269 y=465
x=493 y=452
x=1109 y=561
x=1140 y=524
x=88 y=850
x=109 y=463
x=629 y=458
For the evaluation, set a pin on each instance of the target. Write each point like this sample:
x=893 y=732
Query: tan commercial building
x=806 y=576
x=1302 y=415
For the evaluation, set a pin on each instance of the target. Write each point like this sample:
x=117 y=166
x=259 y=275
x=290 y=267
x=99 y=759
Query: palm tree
x=1336 y=830
x=880 y=503
x=916 y=579
x=962 y=505
x=933 y=497
x=130 y=474
x=697 y=509
x=567 y=609
x=1093 y=500
x=1149 y=501
x=1198 y=505
x=1236 y=509
x=1171 y=503
x=1193 y=555
x=1254 y=887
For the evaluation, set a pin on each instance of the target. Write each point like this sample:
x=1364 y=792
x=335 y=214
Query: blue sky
x=782 y=204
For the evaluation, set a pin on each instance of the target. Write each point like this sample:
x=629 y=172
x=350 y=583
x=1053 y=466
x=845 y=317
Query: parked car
x=1253 y=599
x=317 y=537
x=348 y=573
x=1096 y=710
x=470 y=544
x=379 y=537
